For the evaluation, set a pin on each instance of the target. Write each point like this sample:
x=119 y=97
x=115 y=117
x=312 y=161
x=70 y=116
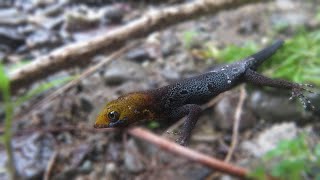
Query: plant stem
x=8 y=134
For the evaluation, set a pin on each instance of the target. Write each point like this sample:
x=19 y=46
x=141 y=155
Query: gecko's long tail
x=258 y=58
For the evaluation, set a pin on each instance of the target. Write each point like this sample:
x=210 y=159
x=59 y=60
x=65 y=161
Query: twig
x=79 y=53
x=188 y=153
x=50 y=165
x=85 y=74
x=204 y=138
x=215 y=100
x=237 y=118
x=168 y=146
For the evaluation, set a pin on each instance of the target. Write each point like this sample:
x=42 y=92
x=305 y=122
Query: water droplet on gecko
x=229 y=81
x=235 y=70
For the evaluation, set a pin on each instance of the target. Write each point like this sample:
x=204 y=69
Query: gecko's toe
x=182 y=141
x=297 y=92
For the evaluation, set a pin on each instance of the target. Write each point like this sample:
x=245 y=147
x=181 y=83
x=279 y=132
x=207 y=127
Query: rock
x=248 y=26
x=42 y=3
x=113 y=14
x=111 y=171
x=3 y=54
x=53 y=23
x=169 y=43
x=181 y=64
x=86 y=167
x=285 y=4
x=274 y=107
x=53 y=10
x=65 y=137
x=12 y=17
x=81 y=18
x=268 y=139
x=289 y=19
x=11 y=38
x=121 y=71
x=24 y=5
x=132 y=162
x=225 y=111
x=170 y=73
x=43 y=38
x=290 y=16
x=32 y=154
x=6 y=4
x=86 y=104
x=114 y=152
x=97 y=3
x=78 y=155
x=138 y=54
x=197 y=172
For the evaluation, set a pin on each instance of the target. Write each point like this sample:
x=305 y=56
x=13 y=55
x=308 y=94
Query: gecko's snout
x=100 y=125
x=101 y=122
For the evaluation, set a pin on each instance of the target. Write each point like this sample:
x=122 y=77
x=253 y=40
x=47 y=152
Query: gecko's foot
x=182 y=140
x=297 y=92
x=174 y=132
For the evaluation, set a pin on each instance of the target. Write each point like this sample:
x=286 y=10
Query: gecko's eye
x=113 y=116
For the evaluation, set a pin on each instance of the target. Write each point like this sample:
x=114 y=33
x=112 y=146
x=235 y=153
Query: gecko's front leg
x=192 y=111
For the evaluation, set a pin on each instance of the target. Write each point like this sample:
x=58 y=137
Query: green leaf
x=153 y=125
x=41 y=88
x=298 y=60
x=258 y=173
x=188 y=37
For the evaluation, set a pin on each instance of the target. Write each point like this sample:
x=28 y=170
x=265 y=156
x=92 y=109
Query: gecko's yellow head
x=124 y=111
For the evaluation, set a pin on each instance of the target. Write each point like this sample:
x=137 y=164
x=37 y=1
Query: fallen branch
x=52 y=160
x=163 y=143
x=80 y=53
x=188 y=153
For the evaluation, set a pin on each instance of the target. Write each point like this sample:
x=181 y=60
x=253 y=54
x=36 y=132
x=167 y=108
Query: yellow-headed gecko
x=184 y=97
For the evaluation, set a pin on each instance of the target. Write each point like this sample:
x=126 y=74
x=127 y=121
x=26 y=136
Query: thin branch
x=50 y=165
x=188 y=153
x=236 y=123
x=164 y=144
x=80 y=53
x=89 y=71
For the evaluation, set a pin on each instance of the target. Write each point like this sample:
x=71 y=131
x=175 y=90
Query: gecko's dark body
x=183 y=98
x=200 y=89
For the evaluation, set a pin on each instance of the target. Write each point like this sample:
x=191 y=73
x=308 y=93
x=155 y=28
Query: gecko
x=184 y=97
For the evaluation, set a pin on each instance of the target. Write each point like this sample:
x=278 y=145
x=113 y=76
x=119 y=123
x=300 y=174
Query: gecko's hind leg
x=296 y=89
